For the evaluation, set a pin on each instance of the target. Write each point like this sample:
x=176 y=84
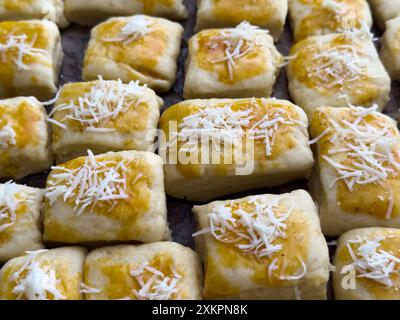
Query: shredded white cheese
x=94 y=183
x=19 y=47
x=372 y=262
x=137 y=27
x=7 y=137
x=10 y=199
x=229 y=127
x=253 y=231
x=155 y=285
x=105 y=101
x=363 y=151
x=238 y=42
x=36 y=282
x=88 y=290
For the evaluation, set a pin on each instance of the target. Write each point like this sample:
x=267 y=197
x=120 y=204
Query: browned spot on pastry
x=120 y=283
x=392 y=245
x=257 y=12
x=149 y=5
x=296 y=246
x=36 y=35
x=16 y=5
x=142 y=55
x=322 y=18
x=363 y=91
x=211 y=49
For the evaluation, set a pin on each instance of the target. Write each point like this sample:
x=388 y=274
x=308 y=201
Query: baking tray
x=180 y=218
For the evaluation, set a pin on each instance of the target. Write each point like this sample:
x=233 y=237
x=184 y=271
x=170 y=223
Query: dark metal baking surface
x=181 y=222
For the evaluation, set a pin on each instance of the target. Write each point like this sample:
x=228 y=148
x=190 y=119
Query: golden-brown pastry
x=20 y=220
x=357 y=178
x=31 y=56
x=134 y=48
x=337 y=70
x=115 y=196
x=319 y=17
x=384 y=10
x=103 y=116
x=154 y=271
x=390 y=48
x=263 y=247
x=53 y=10
x=90 y=12
x=231 y=63
x=367 y=265
x=221 y=146
x=54 y=274
x=268 y=14
x=24 y=138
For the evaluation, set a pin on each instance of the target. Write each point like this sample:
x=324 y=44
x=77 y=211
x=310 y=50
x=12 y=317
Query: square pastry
x=337 y=70
x=267 y=14
x=91 y=12
x=222 y=146
x=263 y=247
x=390 y=48
x=55 y=274
x=231 y=63
x=115 y=196
x=319 y=17
x=357 y=178
x=154 y=271
x=53 y=10
x=104 y=116
x=24 y=138
x=134 y=48
x=31 y=56
x=20 y=220
x=384 y=10
x=367 y=265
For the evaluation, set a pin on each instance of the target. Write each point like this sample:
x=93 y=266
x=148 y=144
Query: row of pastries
x=109 y=187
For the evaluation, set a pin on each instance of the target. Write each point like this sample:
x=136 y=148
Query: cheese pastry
x=390 y=48
x=267 y=14
x=90 y=12
x=134 y=48
x=55 y=274
x=336 y=70
x=53 y=10
x=263 y=247
x=115 y=196
x=24 y=138
x=20 y=217
x=319 y=17
x=222 y=146
x=231 y=63
x=31 y=58
x=367 y=265
x=103 y=116
x=357 y=178
x=154 y=271
x=384 y=10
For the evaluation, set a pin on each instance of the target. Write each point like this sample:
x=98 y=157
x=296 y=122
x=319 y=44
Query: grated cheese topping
x=229 y=127
x=7 y=137
x=342 y=64
x=10 y=199
x=155 y=285
x=36 y=282
x=21 y=47
x=88 y=290
x=372 y=262
x=95 y=183
x=137 y=27
x=238 y=42
x=253 y=231
x=105 y=101
x=367 y=150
